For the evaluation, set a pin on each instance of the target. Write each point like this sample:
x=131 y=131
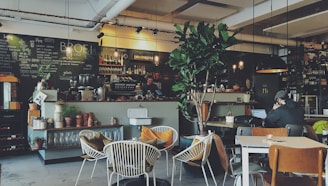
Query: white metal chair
x=169 y=147
x=89 y=150
x=200 y=148
x=130 y=159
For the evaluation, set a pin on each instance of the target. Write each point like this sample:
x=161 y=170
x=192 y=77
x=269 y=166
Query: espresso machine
x=85 y=89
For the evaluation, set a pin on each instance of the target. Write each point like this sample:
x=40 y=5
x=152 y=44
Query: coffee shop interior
x=91 y=60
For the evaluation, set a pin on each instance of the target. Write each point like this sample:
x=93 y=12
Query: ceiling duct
x=109 y=10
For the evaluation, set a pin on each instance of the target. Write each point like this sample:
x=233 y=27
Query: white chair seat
x=131 y=159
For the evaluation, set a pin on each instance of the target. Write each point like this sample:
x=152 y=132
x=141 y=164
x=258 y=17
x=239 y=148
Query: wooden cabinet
x=12 y=132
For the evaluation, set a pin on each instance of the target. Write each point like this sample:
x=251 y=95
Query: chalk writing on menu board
x=24 y=55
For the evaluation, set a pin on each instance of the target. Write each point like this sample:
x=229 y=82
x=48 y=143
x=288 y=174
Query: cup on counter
x=325 y=111
x=247 y=98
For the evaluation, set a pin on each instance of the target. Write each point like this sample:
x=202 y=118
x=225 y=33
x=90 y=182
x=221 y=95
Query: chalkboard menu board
x=23 y=55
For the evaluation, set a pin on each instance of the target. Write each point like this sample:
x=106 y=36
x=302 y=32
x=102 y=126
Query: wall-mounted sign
x=22 y=55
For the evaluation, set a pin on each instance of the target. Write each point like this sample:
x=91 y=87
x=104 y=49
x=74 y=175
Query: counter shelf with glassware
x=61 y=144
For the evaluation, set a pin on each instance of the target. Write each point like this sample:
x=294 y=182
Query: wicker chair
x=89 y=150
x=169 y=147
x=200 y=149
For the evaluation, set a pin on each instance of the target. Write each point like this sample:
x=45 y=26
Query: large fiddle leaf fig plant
x=198 y=60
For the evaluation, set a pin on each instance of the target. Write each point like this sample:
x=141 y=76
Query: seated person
x=149 y=86
x=284 y=111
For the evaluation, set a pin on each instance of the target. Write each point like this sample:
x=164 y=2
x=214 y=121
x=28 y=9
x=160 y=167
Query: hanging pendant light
x=69 y=52
x=272 y=64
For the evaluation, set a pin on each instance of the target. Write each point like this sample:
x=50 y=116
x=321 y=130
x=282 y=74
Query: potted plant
x=44 y=74
x=229 y=117
x=32 y=105
x=69 y=112
x=38 y=142
x=199 y=61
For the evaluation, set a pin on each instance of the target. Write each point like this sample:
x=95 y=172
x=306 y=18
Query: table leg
x=245 y=165
x=326 y=169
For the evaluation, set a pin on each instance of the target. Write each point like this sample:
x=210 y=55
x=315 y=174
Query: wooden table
x=259 y=144
x=222 y=124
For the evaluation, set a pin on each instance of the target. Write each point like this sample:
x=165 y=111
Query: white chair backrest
x=86 y=148
x=244 y=131
x=131 y=158
x=203 y=146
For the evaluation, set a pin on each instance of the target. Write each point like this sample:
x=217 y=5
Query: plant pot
x=79 y=120
x=33 y=106
x=38 y=144
x=68 y=121
x=230 y=119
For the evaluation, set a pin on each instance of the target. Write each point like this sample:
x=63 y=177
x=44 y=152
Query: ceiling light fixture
x=272 y=64
x=115 y=52
x=155 y=31
x=139 y=28
x=156 y=57
x=100 y=35
x=69 y=52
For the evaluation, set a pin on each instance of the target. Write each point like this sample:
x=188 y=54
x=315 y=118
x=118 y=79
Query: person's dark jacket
x=290 y=113
x=151 y=87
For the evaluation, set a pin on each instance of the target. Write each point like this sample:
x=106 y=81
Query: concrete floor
x=28 y=170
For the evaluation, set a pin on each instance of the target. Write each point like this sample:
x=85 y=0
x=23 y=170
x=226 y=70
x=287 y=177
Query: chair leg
x=262 y=179
x=167 y=162
x=180 y=169
x=224 y=178
x=147 y=180
x=94 y=167
x=110 y=179
x=210 y=167
x=154 y=177
x=235 y=181
x=204 y=174
x=252 y=178
x=173 y=168
x=78 y=177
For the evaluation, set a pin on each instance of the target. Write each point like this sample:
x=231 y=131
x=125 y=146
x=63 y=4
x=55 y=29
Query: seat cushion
x=97 y=142
x=148 y=134
x=200 y=156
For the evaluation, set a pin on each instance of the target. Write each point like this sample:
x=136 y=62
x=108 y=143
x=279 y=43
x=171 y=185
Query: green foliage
x=70 y=111
x=198 y=58
x=44 y=72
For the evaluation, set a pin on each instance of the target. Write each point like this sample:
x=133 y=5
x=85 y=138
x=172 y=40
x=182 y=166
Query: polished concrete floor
x=28 y=170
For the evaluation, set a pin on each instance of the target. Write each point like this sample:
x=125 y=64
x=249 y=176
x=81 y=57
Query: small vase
x=78 y=119
x=85 y=119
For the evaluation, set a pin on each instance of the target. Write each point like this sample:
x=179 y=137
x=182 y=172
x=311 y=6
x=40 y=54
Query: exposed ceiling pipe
x=111 y=13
